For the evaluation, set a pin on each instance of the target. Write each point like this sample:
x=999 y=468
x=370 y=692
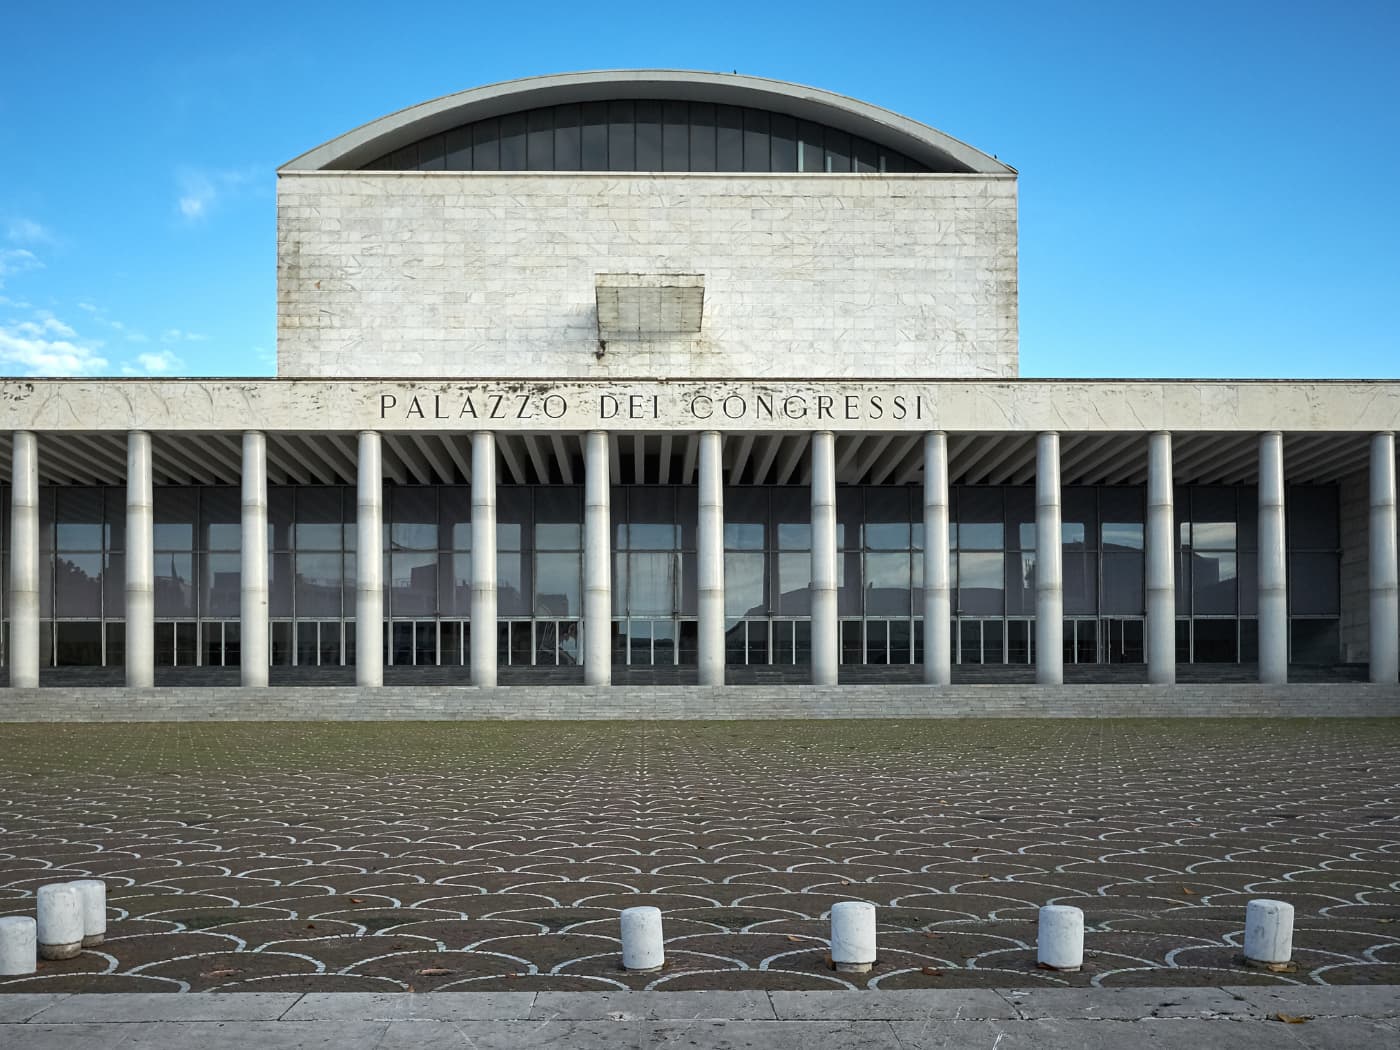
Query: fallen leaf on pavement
x=1290 y=1018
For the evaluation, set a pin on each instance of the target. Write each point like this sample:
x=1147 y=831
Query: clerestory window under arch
x=647 y=135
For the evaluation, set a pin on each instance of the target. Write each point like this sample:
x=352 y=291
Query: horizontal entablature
x=754 y=406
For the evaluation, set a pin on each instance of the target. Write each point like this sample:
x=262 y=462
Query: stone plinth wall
x=1335 y=700
x=451 y=274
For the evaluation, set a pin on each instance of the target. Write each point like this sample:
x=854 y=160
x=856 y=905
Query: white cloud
x=17 y=260
x=45 y=346
x=159 y=363
x=45 y=324
x=27 y=231
x=201 y=192
x=178 y=335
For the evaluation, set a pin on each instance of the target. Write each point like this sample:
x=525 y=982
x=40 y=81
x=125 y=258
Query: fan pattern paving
x=497 y=856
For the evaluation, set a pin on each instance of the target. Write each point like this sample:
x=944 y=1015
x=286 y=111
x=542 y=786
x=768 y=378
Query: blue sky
x=1206 y=188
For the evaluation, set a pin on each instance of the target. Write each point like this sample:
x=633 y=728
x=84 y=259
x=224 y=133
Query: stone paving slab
x=915 y=1020
x=1131 y=1004
x=959 y=1004
x=1332 y=1001
x=653 y=1006
x=145 y=1006
x=389 y=1006
x=21 y=1007
x=1062 y=1034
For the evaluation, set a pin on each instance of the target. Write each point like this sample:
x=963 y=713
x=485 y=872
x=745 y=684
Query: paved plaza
x=495 y=857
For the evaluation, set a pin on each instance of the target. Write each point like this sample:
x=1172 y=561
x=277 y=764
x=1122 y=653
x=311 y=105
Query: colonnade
x=1160 y=543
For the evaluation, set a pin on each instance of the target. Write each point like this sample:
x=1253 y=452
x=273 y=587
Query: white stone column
x=1160 y=569
x=140 y=564
x=710 y=561
x=1273 y=563
x=597 y=562
x=826 y=643
x=253 y=602
x=483 y=639
x=938 y=646
x=1049 y=579
x=369 y=563
x=24 y=561
x=1385 y=582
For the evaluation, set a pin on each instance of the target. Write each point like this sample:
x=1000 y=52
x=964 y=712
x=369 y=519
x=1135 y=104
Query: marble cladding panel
x=480 y=274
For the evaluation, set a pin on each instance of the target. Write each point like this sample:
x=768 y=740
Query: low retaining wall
x=444 y=703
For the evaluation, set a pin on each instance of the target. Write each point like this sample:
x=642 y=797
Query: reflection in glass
x=558 y=584
x=1213 y=588
x=743 y=584
x=980 y=583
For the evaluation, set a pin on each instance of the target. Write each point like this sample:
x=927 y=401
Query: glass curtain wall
x=654 y=575
x=767 y=554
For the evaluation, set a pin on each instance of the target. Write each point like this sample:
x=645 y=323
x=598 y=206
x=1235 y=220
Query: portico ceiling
x=327 y=458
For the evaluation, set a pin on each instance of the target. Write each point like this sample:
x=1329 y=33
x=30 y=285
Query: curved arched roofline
x=924 y=144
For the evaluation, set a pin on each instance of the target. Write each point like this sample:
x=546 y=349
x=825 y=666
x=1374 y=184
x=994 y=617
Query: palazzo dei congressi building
x=710 y=375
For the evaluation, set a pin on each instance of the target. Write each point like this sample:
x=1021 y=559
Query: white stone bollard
x=94 y=894
x=60 y=928
x=1268 y=932
x=643 y=949
x=1059 y=941
x=853 y=936
x=17 y=946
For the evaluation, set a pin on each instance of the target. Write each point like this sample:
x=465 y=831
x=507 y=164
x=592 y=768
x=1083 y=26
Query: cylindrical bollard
x=60 y=927
x=1268 y=932
x=1059 y=941
x=853 y=936
x=94 y=894
x=643 y=948
x=17 y=940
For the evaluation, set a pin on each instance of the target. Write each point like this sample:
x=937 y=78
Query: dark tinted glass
x=539 y=139
x=486 y=146
x=566 y=138
x=838 y=150
x=756 y=124
x=783 y=150
x=513 y=129
x=622 y=136
x=648 y=136
x=430 y=153
x=675 y=137
x=702 y=136
x=729 y=138
x=867 y=156
x=594 y=135
x=811 y=156
x=459 y=149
